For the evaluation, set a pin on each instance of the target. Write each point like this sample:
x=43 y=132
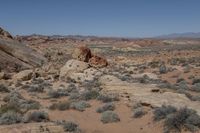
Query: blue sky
x=123 y=18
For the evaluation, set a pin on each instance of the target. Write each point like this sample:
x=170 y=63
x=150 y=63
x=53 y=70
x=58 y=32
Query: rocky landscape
x=78 y=84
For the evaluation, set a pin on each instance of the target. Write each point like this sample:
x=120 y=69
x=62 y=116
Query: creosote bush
x=64 y=105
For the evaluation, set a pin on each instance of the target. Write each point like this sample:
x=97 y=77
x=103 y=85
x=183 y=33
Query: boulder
x=82 y=53
x=98 y=62
x=23 y=75
x=73 y=66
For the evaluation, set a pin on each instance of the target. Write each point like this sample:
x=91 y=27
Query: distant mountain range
x=181 y=35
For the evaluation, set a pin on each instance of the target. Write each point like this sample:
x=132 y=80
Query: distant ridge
x=180 y=35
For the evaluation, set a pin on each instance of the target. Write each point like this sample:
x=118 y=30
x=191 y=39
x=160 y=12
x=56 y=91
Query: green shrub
x=109 y=117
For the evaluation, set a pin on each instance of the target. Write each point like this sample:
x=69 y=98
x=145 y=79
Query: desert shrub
x=182 y=85
x=10 y=117
x=195 y=80
x=72 y=88
x=139 y=112
x=37 y=116
x=29 y=104
x=109 y=117
x=74 y=96
x=179 y=80
x=108 y=97
x=79 y=105
x=9 y=108
x=163 y=69
x=162 y=112
x=106 y=107
x=89 y=94
x=145 y=78
x=58 y=93
x=14 y=98
x=3 y=88
x=168 y=86
x=35 y=88
x=69 y=126
x=183 y=118
x=196 y=87
x=60 y=106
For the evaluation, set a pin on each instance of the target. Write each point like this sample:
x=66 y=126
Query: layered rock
x=15 y=56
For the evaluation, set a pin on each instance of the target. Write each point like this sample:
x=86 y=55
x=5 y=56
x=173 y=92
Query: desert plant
x=10 y=117
x=79 y=105
x=35 y=88
x=69 y=126
x=3 y=88
x=89 y=94
x=195 y=80
x=108 y=97
x=162 y=112
x=106 y=107
x=109 y=117
x=196 y=87
x=163 y=69
x=37 y=116
x=58 y=93
x=139 y=112
x=184 y=117
x=64 y=105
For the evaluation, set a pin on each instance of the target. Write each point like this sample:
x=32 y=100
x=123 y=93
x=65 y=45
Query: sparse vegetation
x=69 y=126
x=3 y=88
x=108 y=97
x=80 y=105
x=89 y=94
x=175 y=120
x=106 y=107
x=139 y=112
x=58 y=93
x=109 y=117
x=162 y=112
x=10 y=117
x=37 y=116
x=64 y=105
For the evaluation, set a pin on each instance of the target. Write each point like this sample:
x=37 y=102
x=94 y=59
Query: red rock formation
x=98 y=62
x=82 y=53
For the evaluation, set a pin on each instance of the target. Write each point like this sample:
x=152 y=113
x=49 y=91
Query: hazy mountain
x=181 y=35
